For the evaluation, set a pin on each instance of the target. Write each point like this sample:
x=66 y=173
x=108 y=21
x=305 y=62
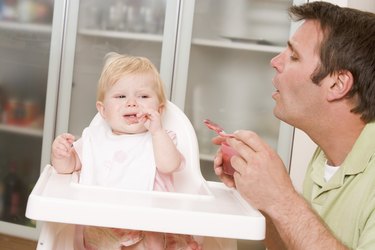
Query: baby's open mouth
x=131 y=118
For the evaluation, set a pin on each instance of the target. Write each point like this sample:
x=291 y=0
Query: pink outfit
x=123 y=161
x=118 y=239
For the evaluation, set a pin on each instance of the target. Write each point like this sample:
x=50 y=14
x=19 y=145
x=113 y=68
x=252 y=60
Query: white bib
x=121 y=161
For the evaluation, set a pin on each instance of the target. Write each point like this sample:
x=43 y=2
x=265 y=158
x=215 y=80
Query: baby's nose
x=131 y=102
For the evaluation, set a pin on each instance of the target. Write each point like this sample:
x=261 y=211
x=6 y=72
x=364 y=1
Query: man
x=325 y=86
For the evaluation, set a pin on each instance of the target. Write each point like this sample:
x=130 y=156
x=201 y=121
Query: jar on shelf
x=2 y=196
x=9 y=10
x=25 y=10
x=32 y=111
x=13 y=194
x=3 y=101
x=15 y=111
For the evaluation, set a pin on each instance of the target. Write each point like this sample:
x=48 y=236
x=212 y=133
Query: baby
x=126 y=147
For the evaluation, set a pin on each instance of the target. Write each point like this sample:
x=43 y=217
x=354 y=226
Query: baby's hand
x=62 y=146
x=151 y=120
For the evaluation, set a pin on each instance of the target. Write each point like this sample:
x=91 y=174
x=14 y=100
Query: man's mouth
x=275 y=93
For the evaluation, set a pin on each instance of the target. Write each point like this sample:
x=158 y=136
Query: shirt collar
x=356 y=161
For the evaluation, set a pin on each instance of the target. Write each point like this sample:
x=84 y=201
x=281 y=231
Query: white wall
x=366 y=5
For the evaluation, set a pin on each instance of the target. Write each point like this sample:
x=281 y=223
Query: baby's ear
x=161 y=108
x=100 y=108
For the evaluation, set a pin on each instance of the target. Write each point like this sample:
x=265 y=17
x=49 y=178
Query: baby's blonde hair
x=117 y=65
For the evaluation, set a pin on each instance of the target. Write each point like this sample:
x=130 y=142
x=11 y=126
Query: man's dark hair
x=348 y=44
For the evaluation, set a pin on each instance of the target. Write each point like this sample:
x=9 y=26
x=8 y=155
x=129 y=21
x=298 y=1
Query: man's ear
x=100 y=108
x=341 y=86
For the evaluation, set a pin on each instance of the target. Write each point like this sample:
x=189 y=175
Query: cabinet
x=25 y=38
x=227 y=49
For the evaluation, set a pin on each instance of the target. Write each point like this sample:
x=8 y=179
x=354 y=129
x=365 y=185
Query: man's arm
x=262 y=180
x=296 y=226
x=273 y=239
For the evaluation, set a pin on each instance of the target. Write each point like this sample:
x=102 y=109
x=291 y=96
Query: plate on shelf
x=259 y=41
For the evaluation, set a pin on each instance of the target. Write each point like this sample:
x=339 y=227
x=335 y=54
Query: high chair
x=198 y=207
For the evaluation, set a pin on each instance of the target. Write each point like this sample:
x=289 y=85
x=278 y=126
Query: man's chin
x=279 y=115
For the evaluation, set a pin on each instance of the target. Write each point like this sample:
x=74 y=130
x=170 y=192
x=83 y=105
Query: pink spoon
x=226 y=150
x=215 y=127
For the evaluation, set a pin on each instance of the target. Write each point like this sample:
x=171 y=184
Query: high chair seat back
x=190 y=179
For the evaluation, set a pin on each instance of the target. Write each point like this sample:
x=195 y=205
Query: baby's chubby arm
x=167 y=156
x=64 y=158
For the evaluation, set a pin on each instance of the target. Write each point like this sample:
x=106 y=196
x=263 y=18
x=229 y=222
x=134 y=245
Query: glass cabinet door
x=25 y=34
x=229 y=78
x=133 y=27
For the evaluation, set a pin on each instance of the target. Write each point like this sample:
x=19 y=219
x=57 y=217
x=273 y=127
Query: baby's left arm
x=167 y=156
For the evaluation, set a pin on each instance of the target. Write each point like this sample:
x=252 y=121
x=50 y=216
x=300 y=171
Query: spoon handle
x=217 y=128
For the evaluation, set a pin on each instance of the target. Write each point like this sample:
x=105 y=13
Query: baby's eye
x=121 y=96
x=144 y=96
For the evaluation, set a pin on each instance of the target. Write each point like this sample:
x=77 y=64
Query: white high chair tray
x=221 y=212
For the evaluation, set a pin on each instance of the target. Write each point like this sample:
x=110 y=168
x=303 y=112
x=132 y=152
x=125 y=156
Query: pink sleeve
x=173 y=136
x=164 y=182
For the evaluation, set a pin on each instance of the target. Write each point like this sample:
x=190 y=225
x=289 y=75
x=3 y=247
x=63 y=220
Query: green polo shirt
x=347 y=201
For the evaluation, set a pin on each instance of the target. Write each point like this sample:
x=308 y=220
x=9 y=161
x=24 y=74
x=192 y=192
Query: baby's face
x=128 y=97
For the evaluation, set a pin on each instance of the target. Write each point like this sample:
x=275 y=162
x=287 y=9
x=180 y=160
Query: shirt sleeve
x=367 y=228
x=164 y=182
x=173 y=136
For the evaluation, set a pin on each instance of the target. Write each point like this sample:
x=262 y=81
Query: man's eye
x=293 y=57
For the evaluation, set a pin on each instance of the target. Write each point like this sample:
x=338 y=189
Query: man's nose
x=276 y=62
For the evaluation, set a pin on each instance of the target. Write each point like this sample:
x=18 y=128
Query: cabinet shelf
x=237 y=45
x=207 y=157
x=121 y=35
x=27 y=27
x=21 y=130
